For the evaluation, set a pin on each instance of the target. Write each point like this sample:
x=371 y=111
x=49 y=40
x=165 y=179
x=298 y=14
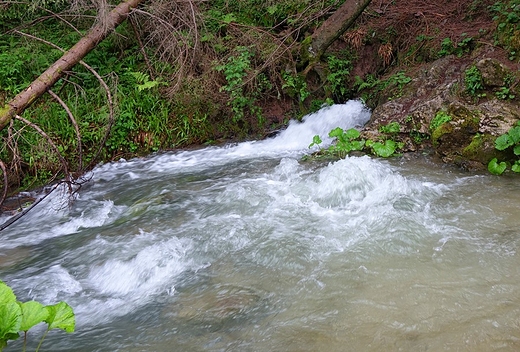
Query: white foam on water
x=293 y=141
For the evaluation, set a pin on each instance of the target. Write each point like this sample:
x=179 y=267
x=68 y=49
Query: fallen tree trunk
x=47 y=79
x=335 y=26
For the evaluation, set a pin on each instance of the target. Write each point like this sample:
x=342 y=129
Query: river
x=249 y=248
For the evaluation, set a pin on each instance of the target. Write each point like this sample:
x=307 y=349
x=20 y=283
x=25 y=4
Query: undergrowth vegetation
x=180 y=73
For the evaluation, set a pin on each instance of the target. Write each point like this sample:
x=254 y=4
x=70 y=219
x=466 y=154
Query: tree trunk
x=335 y=26
x=47 y=79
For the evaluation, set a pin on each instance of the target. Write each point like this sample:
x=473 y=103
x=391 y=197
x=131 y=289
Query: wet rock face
x=467 y=139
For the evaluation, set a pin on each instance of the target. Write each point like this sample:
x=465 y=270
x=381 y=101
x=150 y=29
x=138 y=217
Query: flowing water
x=248 y=248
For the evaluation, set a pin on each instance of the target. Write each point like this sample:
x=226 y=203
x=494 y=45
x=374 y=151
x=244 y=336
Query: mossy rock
x=493 y=72
x=481 y=149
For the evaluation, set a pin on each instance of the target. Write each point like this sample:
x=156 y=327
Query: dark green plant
x=235 y=70
x=459 y=49
x=19 y=317
x=507 y=17
x=384 y=149
x=473 y=81
x=441 y=117
x=505 y=93
x=371 y=87
x=391 y=128
x=339 y=72
x=350 y=140
x=295 y=86
x=511 y=139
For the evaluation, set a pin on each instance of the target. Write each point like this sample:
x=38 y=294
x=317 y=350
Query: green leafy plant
x=391 y=128
x=144 y=82
x=511 y=139
x=350 y=140
x=473 y=81
x=295 y=85
x=385 y=148
x=339 y=71
x=316 y=140
x=507 y=17
x=497 y=168
x=440 y=118
x=459 y=49
x=346 y=141
x=17 y=317
x=505 y=93
x=371 y=86
x=235 y=70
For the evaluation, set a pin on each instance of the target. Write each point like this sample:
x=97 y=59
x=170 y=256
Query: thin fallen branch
x=76 y=127
x=63 y=162
x=4 y=171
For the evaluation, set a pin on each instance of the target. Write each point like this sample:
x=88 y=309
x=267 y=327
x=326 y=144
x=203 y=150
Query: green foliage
x=507 y=17
x=464 y=46
x=235 y=70
x=316 y=140
x=509 y=140
x=473 y=81
x=17 y=317
x=384 y=149
x=371 y=87
x=346 y=141
x=295 y=86
x=496 y=168
x=391 y=128
x=350 y=140
x=338 y=75
x=440 y=118
x=505 y=93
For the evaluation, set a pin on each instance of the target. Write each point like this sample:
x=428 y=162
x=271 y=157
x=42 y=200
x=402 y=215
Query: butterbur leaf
x=316 y=140
x=516 y=166
x=33 y=313
x=358 y=145
x=384 y=150
x=60 y=316
x=496 y=168
x=516 y=150
x=6 y=294
x=503 y=142
x=352 y=133
x=10 y=320
x=514 y=134
x=337 y=132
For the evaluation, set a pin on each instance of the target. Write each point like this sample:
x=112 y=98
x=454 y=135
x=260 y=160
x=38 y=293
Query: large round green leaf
x=352 y=133
x=60 y=316
x=32 y=313
x=384 y=150
x=503 y=142
x=6 y=294
x=10 y=320
x=497 y=168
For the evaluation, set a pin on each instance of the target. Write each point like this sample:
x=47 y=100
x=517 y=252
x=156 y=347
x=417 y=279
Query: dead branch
x=6 y=181
x=64 y=165
x=76 y=128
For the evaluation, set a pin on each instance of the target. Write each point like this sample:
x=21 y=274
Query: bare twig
x=63 y=162
x=76 y=128
x=6 y=182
